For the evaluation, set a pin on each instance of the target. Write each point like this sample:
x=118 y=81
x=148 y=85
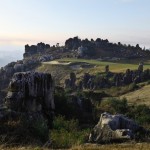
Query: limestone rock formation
x=113 y=127
x=107 y=69
x=29 y=89
x=70 y=83
x=30 y=104
x=31 y=92
x=45 y=58
x=140 y=68
x=107 y=79
x=35 y=49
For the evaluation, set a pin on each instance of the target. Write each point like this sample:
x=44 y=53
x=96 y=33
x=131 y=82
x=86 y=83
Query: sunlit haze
x=52 y=21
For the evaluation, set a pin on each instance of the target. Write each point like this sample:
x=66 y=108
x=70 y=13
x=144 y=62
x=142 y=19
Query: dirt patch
x=81 y=65
x=57 y=63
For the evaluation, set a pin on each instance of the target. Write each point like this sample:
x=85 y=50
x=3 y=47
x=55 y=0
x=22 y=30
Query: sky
x=53 y=21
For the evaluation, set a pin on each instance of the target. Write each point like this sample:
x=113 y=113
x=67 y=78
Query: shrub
x=114 y=106
x=117 y=91
x=24 y=131
x=148 y=82
x=69 y=125
x=39 y=129
x=140 y=113
x=132 y=87
x=66 y=133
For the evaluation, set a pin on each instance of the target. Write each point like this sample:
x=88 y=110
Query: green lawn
x=90 y=61
x=114 y=66
x=61 y=72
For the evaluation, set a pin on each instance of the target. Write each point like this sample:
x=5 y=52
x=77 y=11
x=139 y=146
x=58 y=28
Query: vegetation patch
x=66 y=133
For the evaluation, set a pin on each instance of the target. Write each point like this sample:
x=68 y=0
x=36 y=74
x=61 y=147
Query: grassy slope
x=118 y=66
x=100 y=65
x=58 y=72
x=61 y=71
x=141 y=96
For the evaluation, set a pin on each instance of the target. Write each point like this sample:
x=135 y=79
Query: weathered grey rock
x=113 y=127
x=29 y=100
x=31 y=92
x=140 y=67
x=86 y=78
x=67 y=84
x=47 y=46
x=27 y=48
x=107 y=69
x=117 y=79
x=35 y=49
x=127 y=79
x=72 y=80
x=19 y=67
x=45 y=58
x=9 y=71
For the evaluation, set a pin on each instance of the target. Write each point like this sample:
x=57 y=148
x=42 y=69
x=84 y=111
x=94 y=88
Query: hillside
x=140 y=96
x=60 y=68
x=85 y=87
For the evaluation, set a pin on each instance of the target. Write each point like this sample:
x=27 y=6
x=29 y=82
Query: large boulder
x=85 y=80
x=71 y=82
x=140 y=67
x=27 y=113
x=18 y=67
x=107 y=69
x=31 y=92
x=113 y=127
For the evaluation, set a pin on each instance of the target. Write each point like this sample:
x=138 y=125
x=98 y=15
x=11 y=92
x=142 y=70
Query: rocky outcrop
x=30 y=89
x=7 y=71
x=103 y=48
x=108 y=79
x=45 y=58
x=113 y=127
x=31 y=92
x=30 y=104
x=70 y=83
x=140 y=68
x=35 y=49
x=107 y=69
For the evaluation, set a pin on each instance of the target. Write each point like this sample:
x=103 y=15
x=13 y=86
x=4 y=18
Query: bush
x=117 y=91
x=24 y=130
x=69 y=125
x=66 y=133
x=148 y=82
x=132 y=87
x=140 y=113
x=114 y=106
x=39 y=129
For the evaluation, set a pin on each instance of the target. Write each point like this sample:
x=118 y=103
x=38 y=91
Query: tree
x=57 y=45
x=137 y=46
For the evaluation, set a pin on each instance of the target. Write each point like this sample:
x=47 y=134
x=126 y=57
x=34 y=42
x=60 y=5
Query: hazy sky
x=52 y=21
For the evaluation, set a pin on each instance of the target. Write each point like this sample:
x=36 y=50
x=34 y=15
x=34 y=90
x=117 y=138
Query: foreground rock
x=27 y=114
x=30 y=91
x=114 y=127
